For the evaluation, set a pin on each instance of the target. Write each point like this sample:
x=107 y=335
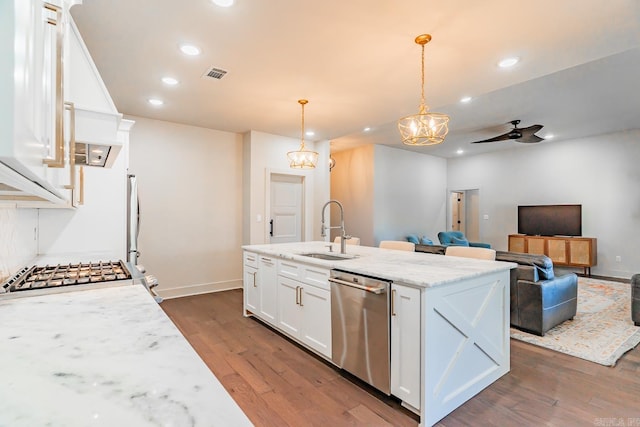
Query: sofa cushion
x=425 y=241
x=459 y=242
x=541 y=263
x=413 y=239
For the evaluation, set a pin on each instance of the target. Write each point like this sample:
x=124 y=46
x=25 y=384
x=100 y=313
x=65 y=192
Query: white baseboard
x=203 y=288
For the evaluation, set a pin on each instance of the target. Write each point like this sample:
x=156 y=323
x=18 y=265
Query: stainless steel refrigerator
x=133 y=230
x=133 y=219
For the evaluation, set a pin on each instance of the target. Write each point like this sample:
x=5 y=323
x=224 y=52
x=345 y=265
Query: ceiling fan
x=525 y=135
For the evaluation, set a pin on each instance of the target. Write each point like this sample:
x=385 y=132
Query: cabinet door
x=251 y=294
x=557 y=250
x=516 y=243
x=536 y=245
x=580 y=252
x=316 y=308
x=268 y=288
x=405 y=344
x=289 y=312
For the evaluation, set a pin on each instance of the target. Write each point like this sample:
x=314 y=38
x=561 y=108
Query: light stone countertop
x=103 y=357
x=413 y=268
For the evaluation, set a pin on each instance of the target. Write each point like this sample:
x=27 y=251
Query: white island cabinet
x=267 y=288
x=292 y=297
x=405 y=344
x=304 y=304
x=449 y=317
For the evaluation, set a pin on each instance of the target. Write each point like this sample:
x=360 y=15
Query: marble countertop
x=103 y=357
x=413 y=268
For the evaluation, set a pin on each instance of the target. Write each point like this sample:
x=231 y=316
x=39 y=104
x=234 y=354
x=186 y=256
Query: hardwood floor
x=277 y=383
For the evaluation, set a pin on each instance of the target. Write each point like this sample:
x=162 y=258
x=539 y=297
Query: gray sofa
x=539 y=299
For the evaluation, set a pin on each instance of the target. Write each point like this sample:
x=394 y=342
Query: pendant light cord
x=302 y=128
x=422 y=105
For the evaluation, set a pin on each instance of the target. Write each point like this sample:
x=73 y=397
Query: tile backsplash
x=18 y=239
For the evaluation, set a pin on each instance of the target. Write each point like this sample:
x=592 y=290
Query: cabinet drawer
x=316 y=276
x=250 y=259
x=290 y=269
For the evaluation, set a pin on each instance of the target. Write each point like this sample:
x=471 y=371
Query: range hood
x=96 y=154
x=96 y=137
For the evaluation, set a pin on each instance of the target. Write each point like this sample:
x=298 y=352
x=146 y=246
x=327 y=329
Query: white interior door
x=285 y=224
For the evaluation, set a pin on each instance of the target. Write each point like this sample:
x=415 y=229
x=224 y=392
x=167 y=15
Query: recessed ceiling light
x=155 y=101
x=367 y=129
x=223 y=3
x=549 y=136
x=459 y=151
x=465 y=99
x=310 y=133
x=508 y=62
x=169 y=81
x=189 y=49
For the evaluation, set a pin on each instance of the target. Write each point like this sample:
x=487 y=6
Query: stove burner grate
x=67 y=275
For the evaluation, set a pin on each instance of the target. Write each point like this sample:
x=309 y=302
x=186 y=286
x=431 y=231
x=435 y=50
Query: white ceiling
x=357 y=63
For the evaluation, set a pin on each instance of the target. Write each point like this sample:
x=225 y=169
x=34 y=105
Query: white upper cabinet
x=52 y=98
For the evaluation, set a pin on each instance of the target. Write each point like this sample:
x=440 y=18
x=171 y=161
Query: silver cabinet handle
x=376 y=291
x=254 y=279
x=297 y=295
x=393 y=302
x=301 y=304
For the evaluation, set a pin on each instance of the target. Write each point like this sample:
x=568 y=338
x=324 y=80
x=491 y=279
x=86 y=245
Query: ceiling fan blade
x=504 y=137
x=530 y=130
x=527 y=139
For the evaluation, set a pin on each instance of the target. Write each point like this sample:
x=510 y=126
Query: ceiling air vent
x=215 y=73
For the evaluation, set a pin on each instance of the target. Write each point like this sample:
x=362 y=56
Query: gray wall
x=602 y=173
x=409 y=194
x=388 y=193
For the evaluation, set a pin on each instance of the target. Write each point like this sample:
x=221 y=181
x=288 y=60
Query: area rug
x=602 y=330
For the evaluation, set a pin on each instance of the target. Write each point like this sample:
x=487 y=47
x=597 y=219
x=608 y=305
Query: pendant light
x=302 y=159
x=424 y=128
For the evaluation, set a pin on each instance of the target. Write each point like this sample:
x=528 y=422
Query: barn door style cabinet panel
x=563 y=251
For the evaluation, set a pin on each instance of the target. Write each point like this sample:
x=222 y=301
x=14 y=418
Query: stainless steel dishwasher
x=360 y=327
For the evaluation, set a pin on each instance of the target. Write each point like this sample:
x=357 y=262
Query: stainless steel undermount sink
x=329 y=257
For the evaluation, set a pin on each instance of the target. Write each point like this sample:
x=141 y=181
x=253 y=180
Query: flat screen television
x=550 y=220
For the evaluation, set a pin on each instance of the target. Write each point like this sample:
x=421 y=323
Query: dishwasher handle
x=374 y=290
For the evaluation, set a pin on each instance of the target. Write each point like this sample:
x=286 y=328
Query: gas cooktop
x=63 y=275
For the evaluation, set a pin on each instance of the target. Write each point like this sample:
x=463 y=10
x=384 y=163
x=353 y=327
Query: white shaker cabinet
x=304 y=305
x=316 y=325
x=294 y=297
x=33 y=167
x=268 y=288
x=251 y=294
x=405 y=344
x=289 y=310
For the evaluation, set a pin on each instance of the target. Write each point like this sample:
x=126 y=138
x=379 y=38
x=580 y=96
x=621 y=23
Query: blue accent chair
x=456 y=238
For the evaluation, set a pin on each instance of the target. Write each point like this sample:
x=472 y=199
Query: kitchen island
x=449 y=320
x=103 y=357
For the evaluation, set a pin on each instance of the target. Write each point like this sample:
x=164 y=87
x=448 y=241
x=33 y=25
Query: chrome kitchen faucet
x=343 y=235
